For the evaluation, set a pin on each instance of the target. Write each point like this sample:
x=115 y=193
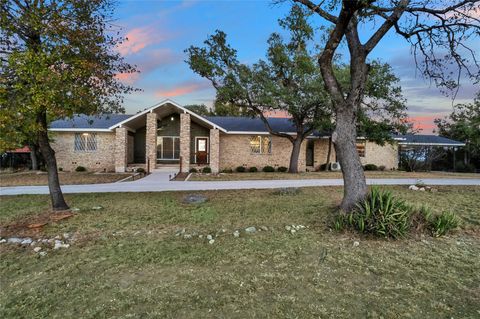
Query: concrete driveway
x=159 y=182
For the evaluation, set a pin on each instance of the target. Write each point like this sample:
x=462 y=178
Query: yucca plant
x=381 y=214
x=443 y=223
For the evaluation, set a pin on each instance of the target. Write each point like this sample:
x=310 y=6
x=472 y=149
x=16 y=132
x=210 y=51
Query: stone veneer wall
x=68 y=159
x=121 y=153
x=185 y=141
x=235 y=151
x=215 y=150
x=320 y=152
x=151 y=140
x=386 y=155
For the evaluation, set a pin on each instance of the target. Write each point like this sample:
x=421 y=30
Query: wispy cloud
x=140 y=38
x=424 y=123
x=183 y=89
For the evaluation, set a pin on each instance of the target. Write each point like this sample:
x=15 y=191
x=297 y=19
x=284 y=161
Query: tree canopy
x=57 y=58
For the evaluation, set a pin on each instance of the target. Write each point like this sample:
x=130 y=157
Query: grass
x=66 y=178
x=320 y=175
x=128 y=263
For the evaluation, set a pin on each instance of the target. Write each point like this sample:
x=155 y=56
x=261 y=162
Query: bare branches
x=317 y=8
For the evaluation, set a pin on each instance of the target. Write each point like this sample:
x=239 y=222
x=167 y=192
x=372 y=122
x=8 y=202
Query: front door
x=202 y=150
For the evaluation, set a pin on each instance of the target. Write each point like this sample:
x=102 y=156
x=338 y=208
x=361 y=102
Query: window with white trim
x=361 y=147
x=85 y=142
x=260 y=144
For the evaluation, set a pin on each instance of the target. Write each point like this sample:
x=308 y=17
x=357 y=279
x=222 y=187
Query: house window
x=361 y=147
x=85 y=142
x=260 y=145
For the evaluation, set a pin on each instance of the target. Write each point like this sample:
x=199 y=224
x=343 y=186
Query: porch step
x=166 y=168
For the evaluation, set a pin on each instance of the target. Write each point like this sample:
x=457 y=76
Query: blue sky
x=159 y=32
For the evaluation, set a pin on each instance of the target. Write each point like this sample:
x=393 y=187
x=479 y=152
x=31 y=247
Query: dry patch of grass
x=128 y=262
x=325 y=175
x=66 y=178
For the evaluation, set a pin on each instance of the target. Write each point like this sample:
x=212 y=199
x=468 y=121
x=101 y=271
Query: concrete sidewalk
x=159 y=182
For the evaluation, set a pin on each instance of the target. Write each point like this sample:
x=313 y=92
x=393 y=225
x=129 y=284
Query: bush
x=206 y=170
x=193 y=170
x=380 y=214
x=370 y=167
x=253 y=169
x=141 y=170
x=381 y=168
x=268 y=169
x=282 y=169
x=322 y=167
x=443 y=223
x=80 y=169
x=227 y=170
x=461 y=167
x=240 y=169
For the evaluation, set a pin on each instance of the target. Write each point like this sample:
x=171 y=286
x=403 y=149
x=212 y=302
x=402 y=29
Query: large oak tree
x=439 y=32
x=57 y=58
x=289 y=80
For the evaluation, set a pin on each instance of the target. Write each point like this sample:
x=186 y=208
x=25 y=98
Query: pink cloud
x=424 y=123
x=139 y=38
x=183 y=89
x=128 y=78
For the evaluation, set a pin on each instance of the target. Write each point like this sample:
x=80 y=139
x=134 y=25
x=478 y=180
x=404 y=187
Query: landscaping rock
x=37 y=249
x=97 y=207
x=413 y=188
x=288 y=227
x=59 y=244
x=293 y=231
x=264 y=228
x=42 y=253
x=250 y=230
x=356 y=244
x=236 y=234
x=14 y=240
x=75 y=209
x=211 y=241
x=180 y=232
x=187 y=236
x=66 y=235
x=422 y=189
x=3 y=240
x=194 y=199
x=209 y=237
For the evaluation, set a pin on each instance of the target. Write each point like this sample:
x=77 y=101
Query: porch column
x=121 y=136
x=151 y=140
x=185 y=141
x=215 y=150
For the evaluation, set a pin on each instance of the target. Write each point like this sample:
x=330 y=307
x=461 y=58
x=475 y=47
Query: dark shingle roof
x=91 y=122
x=427 y=139
x=248 y=124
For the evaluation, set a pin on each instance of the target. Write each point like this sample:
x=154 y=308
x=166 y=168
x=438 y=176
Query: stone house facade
x=169 y=135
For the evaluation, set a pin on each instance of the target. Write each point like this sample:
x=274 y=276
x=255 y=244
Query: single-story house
x=167 y=134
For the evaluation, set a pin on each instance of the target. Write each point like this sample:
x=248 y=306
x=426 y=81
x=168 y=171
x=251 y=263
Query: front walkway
x=159 y=182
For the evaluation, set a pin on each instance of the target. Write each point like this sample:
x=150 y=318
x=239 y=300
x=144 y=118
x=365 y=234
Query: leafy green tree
x=290 y=80
x=200 y=109
x=57 y=59
x=439 y=33
x=463 y=124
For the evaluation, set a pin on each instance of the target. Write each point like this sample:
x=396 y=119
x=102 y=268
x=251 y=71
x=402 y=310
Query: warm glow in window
x=260 y=144
x=361 y=148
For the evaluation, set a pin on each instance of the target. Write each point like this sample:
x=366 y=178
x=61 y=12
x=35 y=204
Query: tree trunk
x=56 y=195
x=329 y=153
x=345 y=135
x=296 y=147
x=33 y=156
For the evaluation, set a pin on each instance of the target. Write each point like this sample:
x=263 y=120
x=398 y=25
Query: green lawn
x=322 y=175
x=126 y=261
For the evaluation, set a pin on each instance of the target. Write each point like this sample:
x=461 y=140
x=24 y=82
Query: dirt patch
x=32 y=226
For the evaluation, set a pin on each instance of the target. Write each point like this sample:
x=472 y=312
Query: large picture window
x=260 y=144
x=85 y=142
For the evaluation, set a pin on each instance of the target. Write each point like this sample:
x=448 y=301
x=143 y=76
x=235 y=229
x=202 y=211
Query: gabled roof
x=413 y=139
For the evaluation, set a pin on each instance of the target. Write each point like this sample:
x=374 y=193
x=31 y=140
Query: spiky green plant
x=443 y=223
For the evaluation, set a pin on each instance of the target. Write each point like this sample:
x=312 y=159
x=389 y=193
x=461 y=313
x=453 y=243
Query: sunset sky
x=159 y=31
